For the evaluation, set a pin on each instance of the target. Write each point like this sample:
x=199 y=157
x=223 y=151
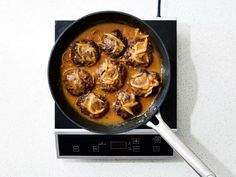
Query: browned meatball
x=139 y=52
x=93 y=105
x=143 y=83
x=114 y=44
x=78 y=81
x=127 y=105
x=111 y=76
x=84 y=53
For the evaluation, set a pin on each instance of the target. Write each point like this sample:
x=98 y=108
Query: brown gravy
x=95 y=33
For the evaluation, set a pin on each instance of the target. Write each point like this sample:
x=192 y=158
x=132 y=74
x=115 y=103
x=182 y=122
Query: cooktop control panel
x=112 y=145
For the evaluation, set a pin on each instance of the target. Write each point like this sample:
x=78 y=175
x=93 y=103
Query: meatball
x=114 y=44
x=143 y=83
x=127 y=105
x=111 y=76
x=93 y=105
x=77 y=81
x=139 y=52
x=85 y=53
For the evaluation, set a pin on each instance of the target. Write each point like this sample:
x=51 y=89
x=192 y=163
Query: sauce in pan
x=96 y=33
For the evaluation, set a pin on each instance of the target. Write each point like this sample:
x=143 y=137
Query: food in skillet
x=139 y=52
x=116 y=88
x=77 y=81
x=114 y=43
x=111 y=76
x=127 y=104
x=144 y=82
x=93 y=105
x=85 y=52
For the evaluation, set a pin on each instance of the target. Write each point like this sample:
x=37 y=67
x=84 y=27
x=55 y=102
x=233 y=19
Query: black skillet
x=54 y=82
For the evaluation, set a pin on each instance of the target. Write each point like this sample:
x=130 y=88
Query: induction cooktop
x=74 y=142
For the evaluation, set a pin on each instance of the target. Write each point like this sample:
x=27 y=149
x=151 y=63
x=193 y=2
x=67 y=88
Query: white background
x=206 y=88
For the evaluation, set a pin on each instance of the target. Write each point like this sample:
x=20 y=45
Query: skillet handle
x=166 y=133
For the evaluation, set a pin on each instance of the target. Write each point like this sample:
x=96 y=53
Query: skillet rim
x=162 y=96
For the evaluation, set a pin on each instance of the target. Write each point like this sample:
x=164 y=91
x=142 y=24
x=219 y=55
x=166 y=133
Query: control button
x=156 y=139
x=135 y=140
x=136 y=148
x=96 y=149
x=75 y=148
x=156 y=148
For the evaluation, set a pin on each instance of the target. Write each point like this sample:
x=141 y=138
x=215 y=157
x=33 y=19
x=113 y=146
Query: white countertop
x=206 y=88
